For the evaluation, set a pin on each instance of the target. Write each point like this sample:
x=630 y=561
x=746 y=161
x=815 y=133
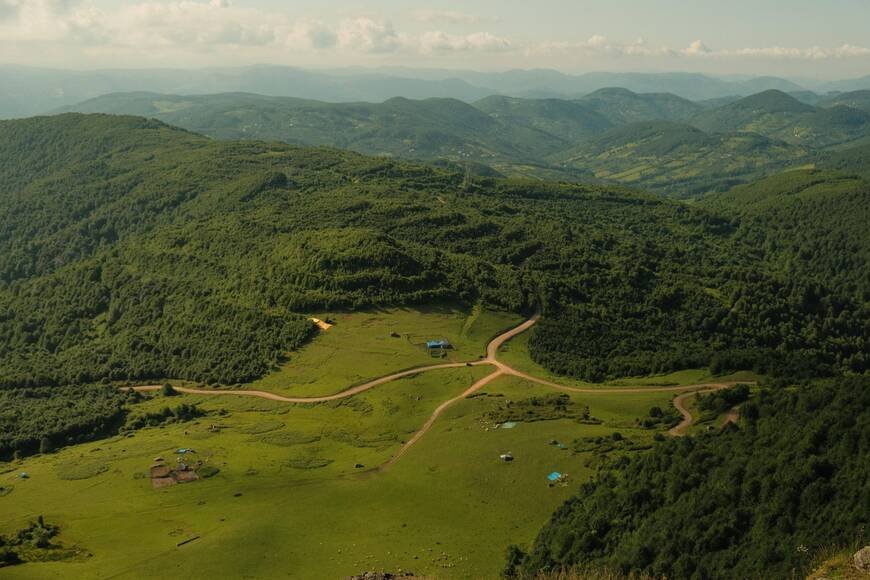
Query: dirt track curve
x=501 y=369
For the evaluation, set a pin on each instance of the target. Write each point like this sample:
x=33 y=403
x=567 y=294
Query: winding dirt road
x=491 y=359
x=680 y=430
x=342 y=395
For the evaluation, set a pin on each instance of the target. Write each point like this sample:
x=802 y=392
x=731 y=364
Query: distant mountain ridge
x=621 y=105
x=26 y=91
x=780 y=116
x=426 y=129
x=657 y=141
x=538 y=83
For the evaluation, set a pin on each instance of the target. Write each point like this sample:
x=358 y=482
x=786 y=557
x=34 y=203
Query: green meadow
x=516 y=354
x=365 y=345
x=299 y=492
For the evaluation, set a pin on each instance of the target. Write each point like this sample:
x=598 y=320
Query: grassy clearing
x=363 y=346
x=516 y=354
x=305 y=506
x=292 y=491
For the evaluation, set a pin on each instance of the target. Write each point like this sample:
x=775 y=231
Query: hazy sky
x=810 y=38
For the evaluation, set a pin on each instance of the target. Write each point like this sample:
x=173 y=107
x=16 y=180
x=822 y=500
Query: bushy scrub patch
x=207 y=471
x=289 y=438
x=544 y=408
x=260 y=427
x=308 y=462
x=74 y=470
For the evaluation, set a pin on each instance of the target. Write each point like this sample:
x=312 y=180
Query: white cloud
x=437 y=41
x=311 y=35
x=597 y=42
x=49 y=20
x=602 y=46
x=368 y=35
x=598 y=45
x=193 y=24
x=371 y=36
x=209 y=24
x=811 y=53
x=697 y=48
x=201 y=29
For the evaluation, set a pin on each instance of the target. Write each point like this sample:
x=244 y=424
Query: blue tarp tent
x=437 y=344
x=554 y=476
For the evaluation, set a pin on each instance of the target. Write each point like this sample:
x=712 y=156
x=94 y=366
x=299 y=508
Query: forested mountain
x=847 y=85
x=779 y=116
x=655 y=141
x=133 y=250
x=622 y=106
x=758 y=501
x=679 y=159
x=769 y=496
x=431 y=128
x=851 y=159
x=546 y=83
x=28 y=91
x=570 y=121
x=810 y=223
x=855 y=99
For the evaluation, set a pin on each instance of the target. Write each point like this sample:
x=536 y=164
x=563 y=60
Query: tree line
x=762 y=499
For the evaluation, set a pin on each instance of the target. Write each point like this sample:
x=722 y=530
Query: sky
x=822 y=39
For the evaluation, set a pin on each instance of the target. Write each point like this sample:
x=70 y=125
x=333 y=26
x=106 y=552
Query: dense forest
x=45 y=419
x=759 y=500
x=130 y=250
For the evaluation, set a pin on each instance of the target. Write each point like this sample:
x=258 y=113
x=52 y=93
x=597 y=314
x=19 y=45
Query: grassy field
x=516 y=354
x=448 y=508
x=289 y=499
x=362 y=346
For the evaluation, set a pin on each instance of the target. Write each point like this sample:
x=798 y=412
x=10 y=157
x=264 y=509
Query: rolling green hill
x=430 y=128
x=679 y=159
x=851 y=159
x=779 y=116
x=133 y=250
x=854 y=99
x=610 y=136
x=621 y=106
x=734 y=502
x=570 y=121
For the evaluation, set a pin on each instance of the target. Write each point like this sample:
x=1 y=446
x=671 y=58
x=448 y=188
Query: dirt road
x=491 y=358
x=679 y=402
x=437 y=413
x=343 y=394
